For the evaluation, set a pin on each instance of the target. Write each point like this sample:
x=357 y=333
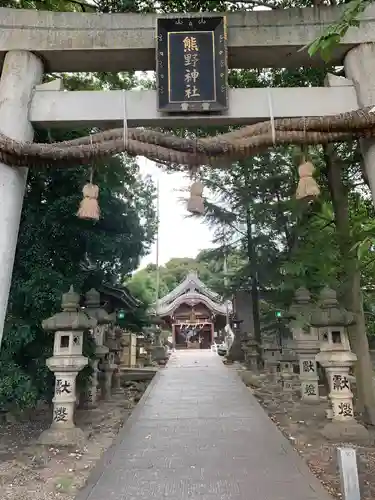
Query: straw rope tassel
x=195 y=204
x=89 y=206
x=307 y=188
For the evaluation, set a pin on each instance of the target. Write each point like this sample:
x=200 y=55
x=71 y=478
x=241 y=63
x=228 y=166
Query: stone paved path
x=201 y=434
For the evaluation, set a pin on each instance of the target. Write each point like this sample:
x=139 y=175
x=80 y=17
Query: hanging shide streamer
x=307 y=186
x=89 y=206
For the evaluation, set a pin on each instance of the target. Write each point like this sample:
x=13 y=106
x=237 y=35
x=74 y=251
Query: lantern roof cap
x=71 y=317
x=301 y=307
x=329 y=312
x=93 y=308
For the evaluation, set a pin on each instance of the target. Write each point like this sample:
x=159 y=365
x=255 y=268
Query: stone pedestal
x=158 y=353
x=108 y=366
x=110 y=363
x=308 y=377
x=271 y=357
x=94 y=310
x=235 y=352
x=116 y=377
x=250 y=349
x=343 y=424
x=67 y=361
x=141 y=355
x=286 y=373
x=148 y=357
x=92 y=395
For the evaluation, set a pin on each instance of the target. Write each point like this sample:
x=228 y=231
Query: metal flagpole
x=157 y=284
x=225 y=269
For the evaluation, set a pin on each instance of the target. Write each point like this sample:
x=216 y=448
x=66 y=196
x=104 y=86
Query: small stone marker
x=347 y=461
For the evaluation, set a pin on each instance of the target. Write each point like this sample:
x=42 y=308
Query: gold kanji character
x=195 y=92
x=190 y=44
x=194 y=59
x=187 y=59
x=194 y=75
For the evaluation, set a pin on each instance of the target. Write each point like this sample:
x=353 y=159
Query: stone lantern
x=108 y=365
x=93 y=309
x=159 y=353
x=336 y=358
x=147 y=344
x=67 y=361
x=307 y=344
x=141 y=355
x=271 y=355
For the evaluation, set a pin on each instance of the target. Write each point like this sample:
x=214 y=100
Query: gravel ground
x=301 y=424
x=29 y=471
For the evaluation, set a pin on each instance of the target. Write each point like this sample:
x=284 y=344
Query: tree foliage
x=53 y=243
x=209 y=265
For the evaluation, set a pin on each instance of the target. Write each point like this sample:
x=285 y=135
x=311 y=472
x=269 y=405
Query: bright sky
x=179 y=236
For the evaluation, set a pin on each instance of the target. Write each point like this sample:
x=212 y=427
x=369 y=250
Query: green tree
x=143 y=283
x=54 y=244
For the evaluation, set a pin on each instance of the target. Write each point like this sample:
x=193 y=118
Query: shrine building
x=194 y=313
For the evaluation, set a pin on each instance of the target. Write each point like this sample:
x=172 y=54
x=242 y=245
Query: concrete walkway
x=200 y=434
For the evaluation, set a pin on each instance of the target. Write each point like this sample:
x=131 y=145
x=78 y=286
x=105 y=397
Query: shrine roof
x=192 y=291
x=119 y=296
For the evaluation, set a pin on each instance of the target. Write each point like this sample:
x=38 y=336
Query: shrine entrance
x=192 y=54
x=194 y=313
x=193 y=335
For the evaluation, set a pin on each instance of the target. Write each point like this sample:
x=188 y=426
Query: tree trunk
x=251 y=255
x=352 y=293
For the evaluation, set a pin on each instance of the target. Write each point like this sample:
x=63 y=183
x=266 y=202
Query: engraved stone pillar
x=337 y=359
x=93 y=309
x=67 y=361
x=308 y=375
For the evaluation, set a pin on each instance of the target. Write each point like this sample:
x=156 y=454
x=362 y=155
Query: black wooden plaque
x=191 y=64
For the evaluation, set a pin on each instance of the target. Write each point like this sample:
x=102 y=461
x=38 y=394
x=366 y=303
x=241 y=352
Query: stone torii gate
x=35 y=42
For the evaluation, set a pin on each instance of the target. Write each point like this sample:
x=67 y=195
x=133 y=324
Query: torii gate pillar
x=22 y=70
x=360 y=68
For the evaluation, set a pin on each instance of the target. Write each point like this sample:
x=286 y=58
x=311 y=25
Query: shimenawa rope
x=176 y=151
